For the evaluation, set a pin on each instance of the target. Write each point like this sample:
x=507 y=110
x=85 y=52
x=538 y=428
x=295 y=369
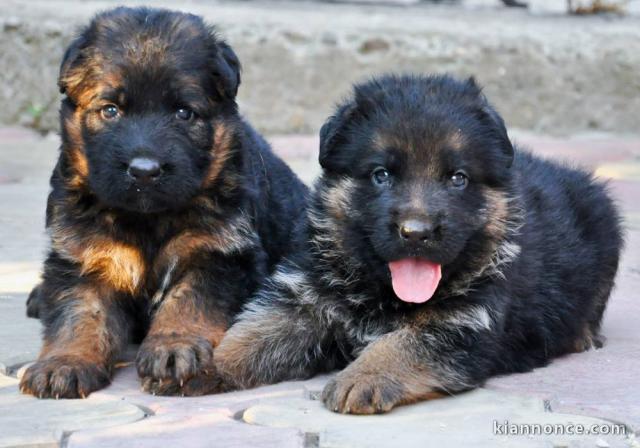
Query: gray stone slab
x=472 y=419
x=193 y=422
x=27 y=421
x=19 y=336
x=26 y=163
x=600 y=383
x=195 y=430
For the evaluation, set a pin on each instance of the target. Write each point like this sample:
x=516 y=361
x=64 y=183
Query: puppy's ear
x=500 y=129
x=493 y=119
x=226 y=71
x=332 y=135
x=473 y=84
x=71 y=75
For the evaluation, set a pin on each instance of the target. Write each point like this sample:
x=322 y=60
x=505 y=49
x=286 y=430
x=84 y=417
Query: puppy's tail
x=33 y=303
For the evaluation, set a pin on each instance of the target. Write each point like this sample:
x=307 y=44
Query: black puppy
x=434 y=256
x=166 y=209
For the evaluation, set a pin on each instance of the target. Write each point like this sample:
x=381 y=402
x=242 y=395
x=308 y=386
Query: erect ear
x=71 y=75
x=332 y=135
x=226 y=71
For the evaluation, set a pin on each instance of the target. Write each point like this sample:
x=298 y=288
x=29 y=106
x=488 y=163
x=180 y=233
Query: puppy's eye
x=380 y=176
x=110 y=112
x=184 y=114
x=459 y=180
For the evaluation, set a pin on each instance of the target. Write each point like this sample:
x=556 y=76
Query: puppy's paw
x=201 y=384
x=173 y=358
x=64 y=377
x=360 y=393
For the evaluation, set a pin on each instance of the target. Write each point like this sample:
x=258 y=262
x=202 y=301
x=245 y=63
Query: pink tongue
x=414 y=280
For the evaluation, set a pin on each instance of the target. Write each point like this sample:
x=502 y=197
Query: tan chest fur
x=125 y=268
x=120 y=265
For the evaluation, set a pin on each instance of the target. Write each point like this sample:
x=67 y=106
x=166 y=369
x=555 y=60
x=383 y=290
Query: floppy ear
x=70 y=77
x=501 y=130
x=226 y=71
x=332 y=135
x=493 y=119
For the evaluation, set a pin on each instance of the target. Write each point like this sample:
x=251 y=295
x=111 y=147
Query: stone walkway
x=592 y=388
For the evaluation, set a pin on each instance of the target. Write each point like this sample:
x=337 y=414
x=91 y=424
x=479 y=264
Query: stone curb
x=546 y=72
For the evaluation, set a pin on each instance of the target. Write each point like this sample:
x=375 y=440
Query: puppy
x=166 y=208
x=436 y=256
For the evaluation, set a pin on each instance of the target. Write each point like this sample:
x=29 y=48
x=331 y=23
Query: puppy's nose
x=144 y=170
x=416 y=230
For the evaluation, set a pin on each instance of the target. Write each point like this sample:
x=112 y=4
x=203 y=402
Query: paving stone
x=444 y=422
x=27 y=421
x=596 y=384
x=6 y=381
x=587 y=150
x=198 y=429
x=629 y=169
x=19 y=336
x=193 y=422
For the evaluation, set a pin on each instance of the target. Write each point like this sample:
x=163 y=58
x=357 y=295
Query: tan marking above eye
x=456 y=139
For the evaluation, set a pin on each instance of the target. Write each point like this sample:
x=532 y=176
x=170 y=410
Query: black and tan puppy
x=435 y=256
x=166 y=208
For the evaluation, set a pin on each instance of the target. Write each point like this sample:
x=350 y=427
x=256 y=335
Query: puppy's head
x=150 y=97
x=416 y=176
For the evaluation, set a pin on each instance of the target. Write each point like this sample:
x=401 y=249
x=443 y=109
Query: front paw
x=361 y=393
x=172 y=359
x=64 y=377
x=201 y=384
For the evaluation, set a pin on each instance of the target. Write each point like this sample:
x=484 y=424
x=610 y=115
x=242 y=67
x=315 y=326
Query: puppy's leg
x=415 y=363
x=186 y=327
x=281 y=335
x=273 y=341
x=85 y=330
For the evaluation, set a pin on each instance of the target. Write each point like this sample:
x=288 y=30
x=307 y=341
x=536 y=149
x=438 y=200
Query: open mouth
x=415 y=280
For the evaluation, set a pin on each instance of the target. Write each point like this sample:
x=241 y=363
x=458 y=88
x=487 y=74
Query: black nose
x=144 y=170
x=416 y=230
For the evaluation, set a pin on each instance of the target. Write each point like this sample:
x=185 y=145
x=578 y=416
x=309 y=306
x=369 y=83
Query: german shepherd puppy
x=434 y=256
x=166 y=211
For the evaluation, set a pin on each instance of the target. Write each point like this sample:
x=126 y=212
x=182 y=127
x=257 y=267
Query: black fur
x=529 y=250
x=172 y=256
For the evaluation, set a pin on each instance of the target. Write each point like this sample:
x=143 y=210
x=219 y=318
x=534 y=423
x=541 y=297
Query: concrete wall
x=545 y=72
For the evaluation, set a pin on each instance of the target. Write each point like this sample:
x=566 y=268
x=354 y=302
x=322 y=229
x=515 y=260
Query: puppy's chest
x=136 y=263
x=361 y=327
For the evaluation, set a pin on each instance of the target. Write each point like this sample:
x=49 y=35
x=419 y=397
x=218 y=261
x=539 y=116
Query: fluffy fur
x=529 y=250
x=169 y=252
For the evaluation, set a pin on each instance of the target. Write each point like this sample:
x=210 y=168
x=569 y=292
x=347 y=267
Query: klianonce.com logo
x=506 y=428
